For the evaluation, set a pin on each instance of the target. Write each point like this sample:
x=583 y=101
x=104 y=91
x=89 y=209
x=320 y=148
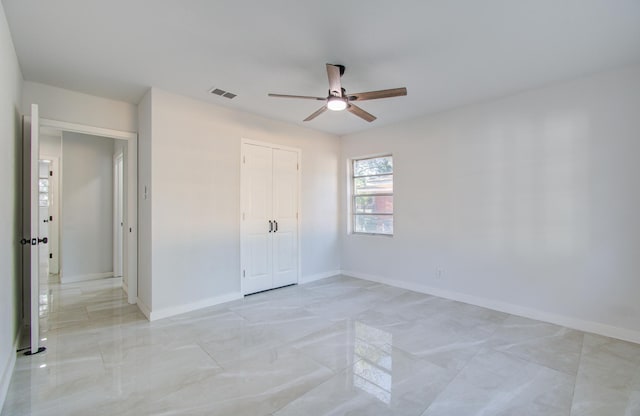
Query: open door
x=31 y=240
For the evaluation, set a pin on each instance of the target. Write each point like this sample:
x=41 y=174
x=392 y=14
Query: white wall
x=87 y=206
x=10 y=205
x=528 y=204
x=64 y=105
x=50 y=145
x=195 y=198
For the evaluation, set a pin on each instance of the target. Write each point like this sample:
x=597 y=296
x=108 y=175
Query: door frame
x=130 y=258
x=244 y=141
x=118 y=216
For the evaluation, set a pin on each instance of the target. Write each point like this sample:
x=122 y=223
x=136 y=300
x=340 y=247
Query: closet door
x=269 y=223
x=257 y=209
x=285 y=215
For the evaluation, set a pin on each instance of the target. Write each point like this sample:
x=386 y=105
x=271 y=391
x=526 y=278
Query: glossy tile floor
x=334 y=347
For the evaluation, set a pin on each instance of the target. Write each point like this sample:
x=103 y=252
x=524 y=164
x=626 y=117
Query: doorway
x=127 y=215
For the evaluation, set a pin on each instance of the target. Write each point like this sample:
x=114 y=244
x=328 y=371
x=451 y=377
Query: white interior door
x=285 y=215
x=31 y=239
x=257 y=223
x=269 y=204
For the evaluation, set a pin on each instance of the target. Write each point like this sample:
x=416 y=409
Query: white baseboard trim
x=7 y=371
x=496 y=305
x=318 y=276
x=205 y=303
x=146 y=311
x=85 y=277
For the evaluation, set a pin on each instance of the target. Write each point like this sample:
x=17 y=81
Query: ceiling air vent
x=222 y=93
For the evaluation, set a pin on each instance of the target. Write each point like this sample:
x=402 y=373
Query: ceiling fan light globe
x=336 y=104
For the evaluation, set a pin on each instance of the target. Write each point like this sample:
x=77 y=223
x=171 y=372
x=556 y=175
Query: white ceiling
x=447 y=53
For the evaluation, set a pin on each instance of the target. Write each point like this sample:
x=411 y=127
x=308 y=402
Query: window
x=372 y=198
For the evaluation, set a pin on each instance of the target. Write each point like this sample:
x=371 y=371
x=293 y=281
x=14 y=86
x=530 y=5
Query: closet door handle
x=270 y=226
x=276 y=230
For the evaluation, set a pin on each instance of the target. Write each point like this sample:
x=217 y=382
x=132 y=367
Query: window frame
x=352 y=195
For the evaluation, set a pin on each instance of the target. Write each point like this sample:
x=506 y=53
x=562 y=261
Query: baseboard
x=7 y=371
x=85 y=277
x=146 y=311
x=318 y=276
x=205 y=303
x=567 y=321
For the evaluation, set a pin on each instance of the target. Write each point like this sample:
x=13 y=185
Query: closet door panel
x=285 y=213
x=257 y=204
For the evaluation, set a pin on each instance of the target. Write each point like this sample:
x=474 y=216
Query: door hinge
x=50 y=255
x=244 y=273
x=243 y=216
x=50 y=217
x=297 y=166
x=50 y=173
x=244 y=159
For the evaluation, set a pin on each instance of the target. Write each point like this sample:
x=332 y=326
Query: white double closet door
x=269 y=217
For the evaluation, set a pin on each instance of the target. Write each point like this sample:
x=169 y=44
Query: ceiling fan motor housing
x=343 y=94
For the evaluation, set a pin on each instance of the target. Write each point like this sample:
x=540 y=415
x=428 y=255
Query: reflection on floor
x=336 y=346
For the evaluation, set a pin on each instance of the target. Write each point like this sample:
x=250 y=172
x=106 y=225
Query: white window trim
x=350 y=197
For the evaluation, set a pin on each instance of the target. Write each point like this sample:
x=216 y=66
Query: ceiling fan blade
x=306 y=97
x=354 y=109
x=373 y=95
x=335 y=87
x=317 y=113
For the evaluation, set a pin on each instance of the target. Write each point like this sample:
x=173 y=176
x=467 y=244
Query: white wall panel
x=10 y=209
x=196 y=197
x=530 y=200
x=87 y=206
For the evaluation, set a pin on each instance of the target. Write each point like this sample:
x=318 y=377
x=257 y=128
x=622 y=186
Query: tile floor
x=334 y=347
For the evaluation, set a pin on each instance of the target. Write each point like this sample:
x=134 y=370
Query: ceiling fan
x=339 y=100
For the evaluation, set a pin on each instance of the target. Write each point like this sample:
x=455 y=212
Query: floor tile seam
x=275 y=390
x=454 y=378
x=533 y=338
x=530 y=361
x=575 y=381
x=510 y=345
x=198 y=343
x=333 y=371
x=327 y=380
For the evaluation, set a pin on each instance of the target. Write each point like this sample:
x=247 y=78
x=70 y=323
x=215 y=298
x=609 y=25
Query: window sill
x=371 y=234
